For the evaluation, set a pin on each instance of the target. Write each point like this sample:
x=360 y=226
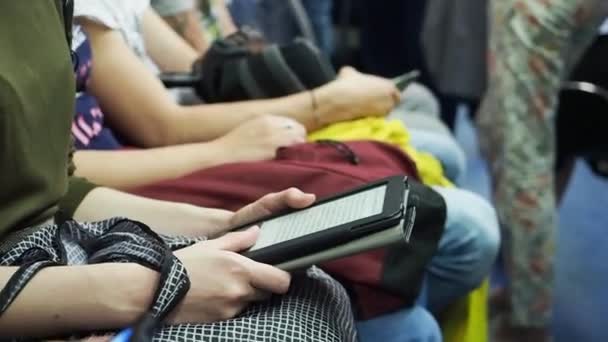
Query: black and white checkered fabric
x=316 y=308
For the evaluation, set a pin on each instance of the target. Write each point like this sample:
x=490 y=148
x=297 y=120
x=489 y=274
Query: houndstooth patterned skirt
x=316 y=308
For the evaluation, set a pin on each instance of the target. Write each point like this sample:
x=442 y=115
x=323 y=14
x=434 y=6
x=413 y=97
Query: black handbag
x=244 y=66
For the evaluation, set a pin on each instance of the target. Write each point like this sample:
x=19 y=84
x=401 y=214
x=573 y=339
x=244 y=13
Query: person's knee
x=426 y=327
x=408 y=325
x=418 y=98
x=443 y=147
x=473 y=230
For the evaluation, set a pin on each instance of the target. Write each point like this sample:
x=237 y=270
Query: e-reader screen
x=331 y=214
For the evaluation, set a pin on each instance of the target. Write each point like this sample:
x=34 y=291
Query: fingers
x=300 y=131
x=396 y=96
x=290 y=198
x=295 y=198
x=235 y=242
x=273 y=203
x=267 y=278
x=293 y=133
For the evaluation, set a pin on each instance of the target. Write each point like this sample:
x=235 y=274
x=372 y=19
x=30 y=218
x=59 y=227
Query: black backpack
x=244 y=66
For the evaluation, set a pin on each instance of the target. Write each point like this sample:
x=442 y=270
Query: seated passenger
x=57 y=282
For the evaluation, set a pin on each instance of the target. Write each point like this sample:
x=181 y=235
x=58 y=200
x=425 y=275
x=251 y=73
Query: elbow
x=162 y=132
x=158 y=136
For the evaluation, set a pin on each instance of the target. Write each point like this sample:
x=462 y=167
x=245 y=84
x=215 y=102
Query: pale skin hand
x=243 y=281
x=236 y=282
x=272 y=203
x=260 y=138
x=254 y=140
x=357 y=95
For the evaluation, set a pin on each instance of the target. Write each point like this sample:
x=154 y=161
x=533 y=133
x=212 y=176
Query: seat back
x=582 y=117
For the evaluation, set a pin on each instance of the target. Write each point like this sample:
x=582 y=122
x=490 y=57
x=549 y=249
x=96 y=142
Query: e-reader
x=331 y=221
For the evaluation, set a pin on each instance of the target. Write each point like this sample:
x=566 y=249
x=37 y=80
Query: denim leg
x=319 y=12
x=417 y=98
x=445 y=148
x=407 y=325
x=419 y=111
x=244 y=13
x=467 y=250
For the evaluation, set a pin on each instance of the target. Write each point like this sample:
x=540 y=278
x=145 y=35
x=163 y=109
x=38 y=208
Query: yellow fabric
x=387 y=131
x=466 y=320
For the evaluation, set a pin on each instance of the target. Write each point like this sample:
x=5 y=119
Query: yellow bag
x=390 y=132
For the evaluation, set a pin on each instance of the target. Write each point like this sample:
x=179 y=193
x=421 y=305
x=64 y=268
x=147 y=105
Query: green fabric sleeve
x=78 y=188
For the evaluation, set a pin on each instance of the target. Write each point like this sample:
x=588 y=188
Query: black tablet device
x=330 y=221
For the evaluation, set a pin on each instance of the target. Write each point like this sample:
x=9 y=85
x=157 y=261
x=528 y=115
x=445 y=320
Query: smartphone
x=331 y=221
x=406 y=79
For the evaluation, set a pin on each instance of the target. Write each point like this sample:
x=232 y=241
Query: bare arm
x=224 y=18
x=122 y=169
x=187 y=24
x=165 y=46
x=254 y=140
x=164 y=217
x=62 y=300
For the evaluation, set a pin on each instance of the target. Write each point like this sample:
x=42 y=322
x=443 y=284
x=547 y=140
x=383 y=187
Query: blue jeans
x=277 y=21
x=464 y=257
x=409 y=325
x=319 y=12
x=467 y=250
x=419 y=111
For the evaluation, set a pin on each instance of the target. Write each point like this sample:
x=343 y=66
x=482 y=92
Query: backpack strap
x=310 y=65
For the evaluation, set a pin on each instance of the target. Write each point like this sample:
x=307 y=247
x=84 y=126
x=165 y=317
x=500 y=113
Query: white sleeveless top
x=124 y=16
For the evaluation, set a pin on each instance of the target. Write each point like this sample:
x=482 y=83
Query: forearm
x=132 y=168
x=164 y=217
x=63 y=300
x=168 y=50
x=209 y=121
x=187 y=25
x=224 y=18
